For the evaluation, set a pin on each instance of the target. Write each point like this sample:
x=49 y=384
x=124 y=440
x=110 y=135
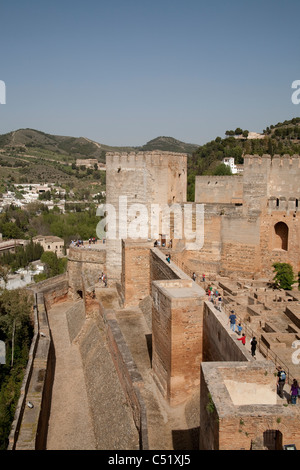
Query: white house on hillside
x=229 y=161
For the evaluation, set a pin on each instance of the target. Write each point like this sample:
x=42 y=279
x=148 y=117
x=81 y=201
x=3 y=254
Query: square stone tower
x=177 y=323
x=142 y=178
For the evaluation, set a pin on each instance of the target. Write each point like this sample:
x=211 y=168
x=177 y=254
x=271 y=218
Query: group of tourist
x=163 y=243
x=215 y=297
x=77 y=243
x=294 y=390
x=91 y=241
x=194 y=277
x=242 y=338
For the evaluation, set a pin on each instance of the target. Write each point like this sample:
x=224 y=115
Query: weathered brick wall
x=284 y=176
x=136 y=276
x=245 y=243
x=226 y=425
x=238 y=432
x=269 y=253
x=75 y=319
x=255 y=183
x=161 y=269
x=129 y=377
x=53 y=290
x=219 y=189
x=209 y=419
x=177 y=337
x=85 y=267
x=218 y=345
x=144 y=178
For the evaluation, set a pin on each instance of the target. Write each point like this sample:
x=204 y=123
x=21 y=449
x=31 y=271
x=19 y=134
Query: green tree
x=51 y=263
x=284 y=276
x=222 y=169
x=238 y=131
x=11 y=230
x=11 y=377
x=4 y=272
x=15 y=308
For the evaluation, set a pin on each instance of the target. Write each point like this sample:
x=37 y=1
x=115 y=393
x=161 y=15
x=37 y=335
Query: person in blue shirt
x=232 y=320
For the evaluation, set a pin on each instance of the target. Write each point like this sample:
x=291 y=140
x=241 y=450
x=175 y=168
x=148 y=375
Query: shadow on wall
x=149 y=346
x=186 y=439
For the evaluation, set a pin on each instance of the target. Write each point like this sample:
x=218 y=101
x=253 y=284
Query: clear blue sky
x=123 y=72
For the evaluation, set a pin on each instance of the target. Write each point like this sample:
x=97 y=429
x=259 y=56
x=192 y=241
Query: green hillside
x=30 y=156
x=282 y=138
x=64 y=148
x=169 y=144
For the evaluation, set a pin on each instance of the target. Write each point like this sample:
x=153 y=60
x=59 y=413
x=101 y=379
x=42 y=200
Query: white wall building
x=229 y=161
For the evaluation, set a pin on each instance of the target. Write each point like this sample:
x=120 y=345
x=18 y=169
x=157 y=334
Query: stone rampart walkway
x=70 y=425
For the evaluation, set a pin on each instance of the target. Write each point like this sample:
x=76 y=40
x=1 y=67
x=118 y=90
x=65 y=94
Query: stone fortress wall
x=242 y=239
x=252 y=220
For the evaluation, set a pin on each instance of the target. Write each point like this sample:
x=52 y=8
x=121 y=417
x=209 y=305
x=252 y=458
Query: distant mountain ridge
x=79 y=147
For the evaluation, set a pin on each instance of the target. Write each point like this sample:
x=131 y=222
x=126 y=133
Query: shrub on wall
x=284 y=276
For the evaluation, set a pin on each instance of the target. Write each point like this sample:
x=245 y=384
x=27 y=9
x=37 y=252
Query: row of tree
x=16 y=330
x=238 y=132
x=23 y=256
x=37 y=219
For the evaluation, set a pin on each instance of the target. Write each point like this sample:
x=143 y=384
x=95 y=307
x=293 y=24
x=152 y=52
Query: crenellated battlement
x=257 y=163
x=253 y=162
x=115 y=160
x=286 y=161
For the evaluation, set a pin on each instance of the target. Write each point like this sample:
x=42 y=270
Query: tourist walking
x=281 y=377
x=294 y=392
x=194 y=277
x=232 y=320
x=253 y=343
x=239 y=329
x=242 y=338
x=219 y=307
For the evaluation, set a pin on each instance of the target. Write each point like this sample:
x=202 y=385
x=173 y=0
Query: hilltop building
x=51 y=243
x=90 y=163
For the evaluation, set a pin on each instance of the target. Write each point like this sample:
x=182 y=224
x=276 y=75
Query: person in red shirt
x=242 y=338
